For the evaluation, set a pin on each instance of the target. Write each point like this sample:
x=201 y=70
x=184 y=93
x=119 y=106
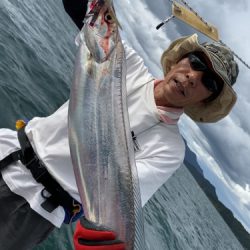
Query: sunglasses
x=208 y=78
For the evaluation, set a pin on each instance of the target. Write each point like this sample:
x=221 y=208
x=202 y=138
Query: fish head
x=101 y=30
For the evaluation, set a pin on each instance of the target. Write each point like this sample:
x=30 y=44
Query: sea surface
x=36 y=61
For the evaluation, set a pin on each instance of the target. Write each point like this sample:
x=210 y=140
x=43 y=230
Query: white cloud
x=138 y=29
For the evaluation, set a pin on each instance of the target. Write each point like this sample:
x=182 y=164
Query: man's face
x=181 y=87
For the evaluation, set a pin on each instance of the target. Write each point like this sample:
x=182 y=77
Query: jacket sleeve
x=76 y=9
x=137 y=73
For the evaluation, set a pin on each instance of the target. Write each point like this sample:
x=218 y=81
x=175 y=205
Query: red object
x=93 y=239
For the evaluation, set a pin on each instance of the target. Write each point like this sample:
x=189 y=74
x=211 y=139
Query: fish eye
x=108 y=17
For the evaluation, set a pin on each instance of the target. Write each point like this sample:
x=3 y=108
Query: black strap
x=40 y=173
x=53 y=193
x=15 y=156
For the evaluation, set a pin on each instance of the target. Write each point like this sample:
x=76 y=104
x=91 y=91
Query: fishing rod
x=188 y=15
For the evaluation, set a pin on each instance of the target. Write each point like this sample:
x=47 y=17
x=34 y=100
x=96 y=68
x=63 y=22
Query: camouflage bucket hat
x=221 y=62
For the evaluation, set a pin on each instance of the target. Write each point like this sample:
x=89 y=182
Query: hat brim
x=204 y=112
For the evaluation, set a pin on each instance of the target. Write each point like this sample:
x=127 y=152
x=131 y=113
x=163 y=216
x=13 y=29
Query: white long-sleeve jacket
x=161 y=146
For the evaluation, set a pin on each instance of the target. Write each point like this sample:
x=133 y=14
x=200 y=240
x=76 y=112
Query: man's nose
x=190 y=80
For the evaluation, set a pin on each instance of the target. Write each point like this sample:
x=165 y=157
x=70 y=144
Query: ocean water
x=36 y=61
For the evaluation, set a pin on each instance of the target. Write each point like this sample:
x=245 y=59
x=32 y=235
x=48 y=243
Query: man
x=198 y=81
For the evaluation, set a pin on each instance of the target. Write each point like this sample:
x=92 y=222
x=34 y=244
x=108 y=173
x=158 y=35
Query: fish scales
x=99 y=133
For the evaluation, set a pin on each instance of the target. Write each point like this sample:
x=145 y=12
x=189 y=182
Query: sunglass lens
x=210 y=83
x=196 y=63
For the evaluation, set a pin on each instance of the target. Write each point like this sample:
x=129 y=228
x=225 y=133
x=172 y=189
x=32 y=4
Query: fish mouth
x=179 y=88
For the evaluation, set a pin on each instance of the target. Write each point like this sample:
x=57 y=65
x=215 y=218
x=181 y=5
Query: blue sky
x=223 y=149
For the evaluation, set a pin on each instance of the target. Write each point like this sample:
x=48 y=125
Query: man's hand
x=88 y=236
x=76 y=9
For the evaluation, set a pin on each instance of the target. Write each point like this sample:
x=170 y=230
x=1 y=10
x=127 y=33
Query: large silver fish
x=99 y=133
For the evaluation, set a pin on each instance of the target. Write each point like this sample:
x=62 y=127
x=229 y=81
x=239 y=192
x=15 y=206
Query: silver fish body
x=99 y=133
